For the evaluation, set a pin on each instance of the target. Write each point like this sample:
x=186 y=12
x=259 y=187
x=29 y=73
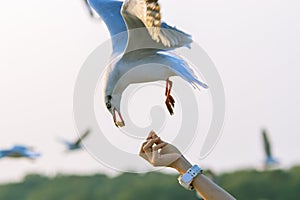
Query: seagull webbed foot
x=170 y=104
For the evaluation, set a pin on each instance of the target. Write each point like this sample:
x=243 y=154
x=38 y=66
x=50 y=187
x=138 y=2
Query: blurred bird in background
x=19 y=151
x=71 y=146
x=270 y=161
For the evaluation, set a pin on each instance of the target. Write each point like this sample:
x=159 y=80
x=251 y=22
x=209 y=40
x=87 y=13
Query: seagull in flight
x=145 y=41
x=71 y=146
x=19 y=151
x=270 y=160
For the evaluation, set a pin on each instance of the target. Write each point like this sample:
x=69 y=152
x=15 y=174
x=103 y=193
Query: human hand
x=158 y=152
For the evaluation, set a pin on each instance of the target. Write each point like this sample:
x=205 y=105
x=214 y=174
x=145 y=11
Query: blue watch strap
x=186 y=179
x=194 y=171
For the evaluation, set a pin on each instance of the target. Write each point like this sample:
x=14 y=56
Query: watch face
x=187 y=178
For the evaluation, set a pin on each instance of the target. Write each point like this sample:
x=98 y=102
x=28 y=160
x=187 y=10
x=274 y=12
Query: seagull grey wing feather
x=146 y=14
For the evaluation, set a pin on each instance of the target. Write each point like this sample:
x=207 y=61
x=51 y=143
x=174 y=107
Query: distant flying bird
x=143 y=21
x=71 y=146
x=19 y=151
x=270 y=161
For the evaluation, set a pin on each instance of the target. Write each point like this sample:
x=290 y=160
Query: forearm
x=208 y=189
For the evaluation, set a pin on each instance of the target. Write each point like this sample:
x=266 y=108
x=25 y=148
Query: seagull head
x=113 y=103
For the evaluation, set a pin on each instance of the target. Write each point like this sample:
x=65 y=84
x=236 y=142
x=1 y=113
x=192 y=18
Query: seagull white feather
x=144 y=58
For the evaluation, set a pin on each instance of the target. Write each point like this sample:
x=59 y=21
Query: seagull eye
x=108 y=105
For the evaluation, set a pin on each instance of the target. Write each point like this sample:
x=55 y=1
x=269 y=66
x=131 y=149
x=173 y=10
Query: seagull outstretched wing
x=31 y=154
x=168 y=37
x=109 y=11
x=267 y=145
x=4 y=153
x=82 y=137
x=65 y=142
x=149 y=13
x=146 y=14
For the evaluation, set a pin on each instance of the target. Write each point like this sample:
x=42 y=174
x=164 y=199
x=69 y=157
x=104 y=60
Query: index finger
x=152 y=135
x=149 y=144
x=142 y=147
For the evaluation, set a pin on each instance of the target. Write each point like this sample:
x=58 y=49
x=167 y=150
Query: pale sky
x=254 y=44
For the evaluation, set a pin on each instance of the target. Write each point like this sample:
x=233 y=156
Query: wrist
x=181 y=165
x=186 y=179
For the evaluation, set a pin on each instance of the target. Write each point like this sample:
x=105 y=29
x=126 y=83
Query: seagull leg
x=171 y=99
x=122 y=120
x=114 y=117
x=118 y=123
x=167 y=87
x=170 y=102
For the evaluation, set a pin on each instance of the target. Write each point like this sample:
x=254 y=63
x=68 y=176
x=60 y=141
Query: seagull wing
x=65 y=142
x=82 y=137
x=267 y=145
x=109 y=12
x=146 y=14
x=4 y=153
x=31 y=154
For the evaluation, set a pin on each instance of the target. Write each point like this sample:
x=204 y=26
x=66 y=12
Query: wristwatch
x=186 y=179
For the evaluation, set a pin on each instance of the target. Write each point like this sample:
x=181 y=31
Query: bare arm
x=206 y=188
x=160 y=153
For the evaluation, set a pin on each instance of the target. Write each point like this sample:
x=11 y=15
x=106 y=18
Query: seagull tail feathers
x=198 y=83
x=183 y=69
x=189 y=75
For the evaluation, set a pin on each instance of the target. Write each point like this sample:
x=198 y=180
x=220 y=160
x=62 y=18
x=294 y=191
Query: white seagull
x=144 y=58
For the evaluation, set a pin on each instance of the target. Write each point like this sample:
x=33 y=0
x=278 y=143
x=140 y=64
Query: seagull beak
x=118 y=124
